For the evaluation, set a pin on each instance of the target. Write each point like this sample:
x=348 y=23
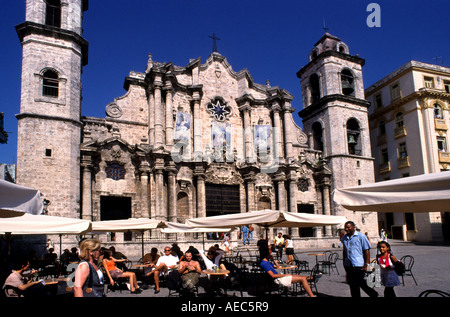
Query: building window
x=50 y=84
x=115 y=171
x=381 y=128
x=438 y=111
x=428 y=82
x=318 y=137
x=378 y=101
x=395 y=91
x=353 y=137
x=447 y=86
x=315 y=87
x=399 y=120
x=442 y=144
x=402 y=151
x=53 y=13
x=347 y=82
x=409 y=220
x=384 y=156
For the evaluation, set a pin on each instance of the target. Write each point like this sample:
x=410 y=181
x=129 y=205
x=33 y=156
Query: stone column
x=86 y=208
x=293 y=202
x=151 y=117
x=172 y=194
x=281 y=191
x=145 y=190
x=277 y=130
x=251 y=193
x=288 y=133
x=169 y=115
x=159 y=191
x=326 y=206
x=197 y=127
x=201 y=196
x=159 y=135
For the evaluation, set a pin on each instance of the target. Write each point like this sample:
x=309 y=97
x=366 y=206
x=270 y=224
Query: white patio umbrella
x=267 y=218
x=174 y=227
x=27 y=224
x=423 y=193
x=16 y=199
x=131 y=224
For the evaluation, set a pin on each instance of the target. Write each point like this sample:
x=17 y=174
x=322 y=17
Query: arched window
x=317 y=135
x=315 y=87
x=50 y=84
x=53 y=13
x=347 y=81
x=353 y=137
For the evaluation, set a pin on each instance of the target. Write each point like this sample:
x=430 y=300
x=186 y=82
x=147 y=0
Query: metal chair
x=431 y=292
x=301 y=264
x=314 y=277
x=408 y=261
x=331 y=263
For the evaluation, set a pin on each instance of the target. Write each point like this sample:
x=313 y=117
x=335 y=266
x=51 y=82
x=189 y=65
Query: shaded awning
x=42 y=224
x=267 y=218
x=423 y=193
x=19 y=199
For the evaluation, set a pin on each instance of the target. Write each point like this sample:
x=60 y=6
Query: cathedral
x=193 y=140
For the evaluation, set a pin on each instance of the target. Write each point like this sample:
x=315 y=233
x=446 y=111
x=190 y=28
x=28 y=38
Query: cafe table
x=316 y=255
x=220 y=275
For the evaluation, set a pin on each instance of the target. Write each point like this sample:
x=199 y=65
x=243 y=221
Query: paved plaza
x=430 y=270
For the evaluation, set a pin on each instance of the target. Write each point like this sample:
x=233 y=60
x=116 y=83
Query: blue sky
x=272 y=39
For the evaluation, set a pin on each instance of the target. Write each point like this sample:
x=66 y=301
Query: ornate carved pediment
x=217 y=174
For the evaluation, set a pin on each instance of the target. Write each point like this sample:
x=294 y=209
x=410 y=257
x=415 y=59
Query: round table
x=316 y=254
x=221 y=276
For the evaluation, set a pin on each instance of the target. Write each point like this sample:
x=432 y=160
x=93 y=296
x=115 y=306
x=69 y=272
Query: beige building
x=409 y=120
x=185 y=141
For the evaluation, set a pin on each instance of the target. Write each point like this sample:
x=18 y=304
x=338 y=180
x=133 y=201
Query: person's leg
x=131 y=280
x=304 y=281
x=352 y=281
x=389 y=292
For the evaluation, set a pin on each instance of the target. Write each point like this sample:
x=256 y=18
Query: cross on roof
x=324 y=26
x=214 y=38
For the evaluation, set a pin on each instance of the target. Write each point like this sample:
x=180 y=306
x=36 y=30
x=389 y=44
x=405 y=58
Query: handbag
x=399 y=268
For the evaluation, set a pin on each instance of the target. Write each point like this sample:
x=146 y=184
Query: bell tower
x=335 y=113
x=49 y=122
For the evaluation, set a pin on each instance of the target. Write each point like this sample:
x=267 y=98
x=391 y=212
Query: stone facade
x=409 y=119
x=186 y=141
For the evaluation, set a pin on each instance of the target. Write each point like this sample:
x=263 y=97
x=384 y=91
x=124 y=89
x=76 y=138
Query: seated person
x=119 y=256
x=285 y=280
x=212 y=259
x=73 y=257
x=190 y=271
x=109 y=263
x=21 y=285
x=165 y=263
x=150 y=259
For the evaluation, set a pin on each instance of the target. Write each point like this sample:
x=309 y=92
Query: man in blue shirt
x=356 y=254
x=245 y=234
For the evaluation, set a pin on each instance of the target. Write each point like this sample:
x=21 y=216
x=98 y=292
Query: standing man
x=279 y=245
x=356 y=259
x=245 y=234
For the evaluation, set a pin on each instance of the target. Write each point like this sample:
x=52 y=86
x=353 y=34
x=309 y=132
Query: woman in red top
x=109 y=263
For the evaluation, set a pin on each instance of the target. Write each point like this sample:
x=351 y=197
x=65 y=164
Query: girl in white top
x=289 y=248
